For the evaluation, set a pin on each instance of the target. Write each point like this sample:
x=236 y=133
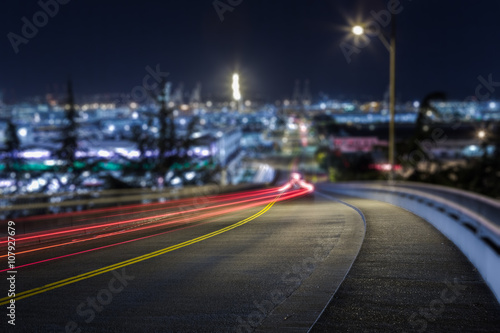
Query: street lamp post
x=392 y=98
x=391 y=47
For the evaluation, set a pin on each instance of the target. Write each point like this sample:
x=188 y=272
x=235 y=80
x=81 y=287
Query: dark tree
x=484 y=174
x=414 y=147
x=12 y=144
x=67 y=152
x=172 y=148
x=142 y=140
x=12 y=141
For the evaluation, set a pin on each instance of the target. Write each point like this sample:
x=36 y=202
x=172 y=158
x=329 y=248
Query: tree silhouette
x=69 y=143
x=172 y=148
x=12 y=141
x=414 y=147
x=484 y=177
x=12 y=144
x=67 y=152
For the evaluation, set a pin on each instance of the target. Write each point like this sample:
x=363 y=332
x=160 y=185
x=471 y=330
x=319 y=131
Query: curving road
x=218 y=273
x=264 y=261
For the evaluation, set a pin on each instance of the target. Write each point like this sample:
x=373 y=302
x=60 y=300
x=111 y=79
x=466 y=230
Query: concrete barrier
x=469 y=220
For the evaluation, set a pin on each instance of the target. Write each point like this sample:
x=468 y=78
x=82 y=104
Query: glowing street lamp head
x=236 y=87
x=358 y=30
x=481 y=134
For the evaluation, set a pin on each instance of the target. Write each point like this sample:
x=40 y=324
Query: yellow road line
x=106 y=269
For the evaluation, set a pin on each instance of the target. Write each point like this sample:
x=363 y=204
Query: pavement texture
x=274 y=274
x=408 y=277
x=277 y=271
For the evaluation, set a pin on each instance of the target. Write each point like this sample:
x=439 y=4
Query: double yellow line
x=61 y=283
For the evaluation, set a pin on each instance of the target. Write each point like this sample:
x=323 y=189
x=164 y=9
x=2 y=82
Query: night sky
x=106 y=45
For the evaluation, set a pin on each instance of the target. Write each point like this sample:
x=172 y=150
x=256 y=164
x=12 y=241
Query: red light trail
x=225 y=204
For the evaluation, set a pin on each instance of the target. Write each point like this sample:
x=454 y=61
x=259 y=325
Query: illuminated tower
x=236 y=91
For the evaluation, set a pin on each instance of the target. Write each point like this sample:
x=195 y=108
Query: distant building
x=222 y=146
x=196 y=95
x=355 y=144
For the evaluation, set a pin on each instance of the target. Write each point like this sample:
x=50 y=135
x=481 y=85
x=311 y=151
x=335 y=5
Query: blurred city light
x=236 y=87
x=23 y=132
x=358 y=30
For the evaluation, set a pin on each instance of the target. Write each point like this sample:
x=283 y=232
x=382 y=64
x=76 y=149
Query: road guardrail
x=471 y=221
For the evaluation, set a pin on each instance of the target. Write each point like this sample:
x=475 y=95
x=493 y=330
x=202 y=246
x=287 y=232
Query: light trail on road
x=281 y=195
x=165 y=204
x=230 y=200
x=257 y=199
x=192 y=202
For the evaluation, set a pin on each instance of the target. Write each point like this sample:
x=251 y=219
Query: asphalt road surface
x=408 y=277
x=227 y=282
x=252 y=263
